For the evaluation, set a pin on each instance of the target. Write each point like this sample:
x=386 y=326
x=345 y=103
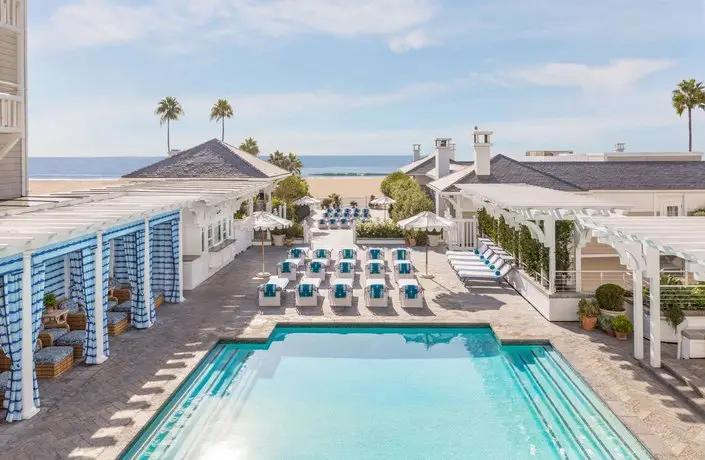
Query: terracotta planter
x=621 y=335
x=611 y=314
x=278 y=240
x=289 y=242
x=434 y=240
x=589 y=322
x=412 y=242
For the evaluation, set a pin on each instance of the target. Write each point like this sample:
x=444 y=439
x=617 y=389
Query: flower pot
x=621 y=335
x=610 y=313
x=434 y=240
x=412 y=242
x=289 y=242
x=589 y=322
x=278 y=240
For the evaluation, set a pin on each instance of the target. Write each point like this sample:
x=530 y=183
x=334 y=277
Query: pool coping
x=259 y=339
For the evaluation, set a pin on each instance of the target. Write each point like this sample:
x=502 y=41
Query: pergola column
x=100 y=356
x=653 y=272
x=549 y=230
x=268 y=206
x=147 y=281
x=29 y=410
x=637 y=298
x=181 y=255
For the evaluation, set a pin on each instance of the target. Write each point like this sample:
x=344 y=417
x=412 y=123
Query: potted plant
x=604 y=323
x=610 y=299
x=588 y=311
x=434 y=238
x=50 y=301
x=278 y=235
x=622 y=327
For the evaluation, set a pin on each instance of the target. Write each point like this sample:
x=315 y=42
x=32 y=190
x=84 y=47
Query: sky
x=365 y=76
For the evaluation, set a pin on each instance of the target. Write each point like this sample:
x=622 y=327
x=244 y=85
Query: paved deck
x=94 y=411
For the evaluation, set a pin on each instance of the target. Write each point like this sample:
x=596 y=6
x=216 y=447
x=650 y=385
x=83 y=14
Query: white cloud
x=86 y=23
x=416 y=39
x=618 y=74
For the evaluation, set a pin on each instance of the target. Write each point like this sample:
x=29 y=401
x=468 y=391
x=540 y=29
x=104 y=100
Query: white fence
x=463 y=235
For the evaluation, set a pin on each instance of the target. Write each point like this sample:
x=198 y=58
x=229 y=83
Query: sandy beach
x=350 y=188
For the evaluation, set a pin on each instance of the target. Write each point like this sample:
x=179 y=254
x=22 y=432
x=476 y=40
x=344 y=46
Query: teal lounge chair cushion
x=404 y=269
x=492 y=267
x=345 y=267
x=270 y=290
x=286 y=267
x=305 y=290
x=341 y=291
x=52 y=355
x=321 y=254
x=401 y=254
x=321 y=222
x=375 y=269
x=376 y=291
x=497 y=273
x=376 y=253
x=411 y=291
x=296 y=252
x=315 y=267
x=348 y=254
x=476 y=251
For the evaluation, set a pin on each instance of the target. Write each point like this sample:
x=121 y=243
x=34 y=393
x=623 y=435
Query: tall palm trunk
x=168 y=138
x=690 y=130
x=222 y=132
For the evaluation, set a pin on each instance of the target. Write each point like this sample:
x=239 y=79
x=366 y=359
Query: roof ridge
x=246 y=156
x=168 y=155
x=526 y=165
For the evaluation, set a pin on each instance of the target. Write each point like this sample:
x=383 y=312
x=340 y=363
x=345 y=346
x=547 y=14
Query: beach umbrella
x=426 y=221
x=263 y=221
x=383 y=201
x=307 y=201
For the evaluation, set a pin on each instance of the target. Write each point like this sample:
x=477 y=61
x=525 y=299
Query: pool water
x=392 y=393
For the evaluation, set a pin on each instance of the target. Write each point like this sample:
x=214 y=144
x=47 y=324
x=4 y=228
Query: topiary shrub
x=610 y=297
x=622 y=324
x=373 y=229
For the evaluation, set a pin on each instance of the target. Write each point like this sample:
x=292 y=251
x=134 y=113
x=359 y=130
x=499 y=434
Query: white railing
x=462 y=235
x=10 y=14
x=567 y=281
x=10 y=113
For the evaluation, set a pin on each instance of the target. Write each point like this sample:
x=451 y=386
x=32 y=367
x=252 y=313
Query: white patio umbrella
x=262 y=220
x=384 y=201
x=426 y=221
x=307 y=201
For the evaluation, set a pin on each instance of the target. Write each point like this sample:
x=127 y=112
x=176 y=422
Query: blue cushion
x=375 y=269
x=315 y=267
x=376 y=253
x=321 y=254
x=487 y=261
x=332 y=222
x=286 y=267
x=411 y=291
x=295 y=253
x=125 y=307
x=492 y=267
x=56 y=332
x=306 y=290
x=497 y=273
x=341 y=291
x=476 y=251
x=343 y=221
x=405 y=268
x=345 y=267
x=269 y=289
x=74 y=306
x=72 y=338
x=321 y=222
x=348 y=254
x=376 y=291
x=401 y=254
x=5 y=381
x=114 y=317
x=52 y=355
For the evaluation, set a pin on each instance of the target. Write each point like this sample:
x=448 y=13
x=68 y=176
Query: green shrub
x=411 y=200
x=621 y=324
x=588 y=308
x=295 y=231
x=393 y=181
x=50 y=300
x=291 y=189
x=278 y=231
x=379 y=230
x=610 y=297
x=604 y=323
x=419 y=236
x=326 y=203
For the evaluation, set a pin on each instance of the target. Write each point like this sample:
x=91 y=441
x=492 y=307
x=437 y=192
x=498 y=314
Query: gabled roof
x=420 y=166
x=211 y=160
x=454 y=166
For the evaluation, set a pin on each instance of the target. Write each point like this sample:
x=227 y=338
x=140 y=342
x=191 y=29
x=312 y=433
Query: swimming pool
x=392 y=393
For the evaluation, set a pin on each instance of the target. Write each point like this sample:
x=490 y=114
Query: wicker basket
x=158 y=301
x=77 y=351
x=52 y=371
x=118 y=328
x=77 y=321
x=122 y=294
x=5 y=362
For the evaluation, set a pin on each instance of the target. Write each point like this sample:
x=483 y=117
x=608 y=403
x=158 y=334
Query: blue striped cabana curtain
x=121 y=274
x=172 y=292
x=38 y=272
x=142 y=302
x=88 y=273
x=11 y=340
x=106 y=277
x=76 y=291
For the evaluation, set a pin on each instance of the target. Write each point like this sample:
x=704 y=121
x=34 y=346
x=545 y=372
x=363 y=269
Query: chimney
x=417 y=152
x=444 y=152
x=173 y=152
x=620 y=147
x=483 y=145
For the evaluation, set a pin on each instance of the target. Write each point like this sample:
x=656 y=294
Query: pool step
x=679 y=386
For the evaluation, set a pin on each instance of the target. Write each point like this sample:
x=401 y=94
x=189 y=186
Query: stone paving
x=94 y=411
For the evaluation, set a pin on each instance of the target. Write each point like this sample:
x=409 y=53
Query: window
x=203 y=240
x=210 y=236
x=672 y=211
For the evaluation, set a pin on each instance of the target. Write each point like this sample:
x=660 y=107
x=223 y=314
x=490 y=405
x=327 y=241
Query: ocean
x=114 y=167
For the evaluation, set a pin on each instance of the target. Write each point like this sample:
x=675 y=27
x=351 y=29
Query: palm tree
x=220 y=111
x=294 y=164
x=168 y=109
x=250 y=146
x=277 y=158
x=689 y=95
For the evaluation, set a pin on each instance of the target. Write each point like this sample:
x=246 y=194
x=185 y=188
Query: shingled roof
x=211 y=160
x=585 y=175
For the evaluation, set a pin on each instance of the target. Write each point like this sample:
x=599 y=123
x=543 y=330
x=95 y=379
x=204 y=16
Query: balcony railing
x=10 y=15
x=10 y=113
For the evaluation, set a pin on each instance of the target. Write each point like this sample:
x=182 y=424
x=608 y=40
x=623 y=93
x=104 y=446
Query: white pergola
x=527 y=205
x=639 y=242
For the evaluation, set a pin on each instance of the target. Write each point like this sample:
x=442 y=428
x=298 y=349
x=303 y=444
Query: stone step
x=675 y=383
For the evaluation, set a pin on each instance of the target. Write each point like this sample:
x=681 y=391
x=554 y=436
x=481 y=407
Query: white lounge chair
x=288 y=269
x=376 y=293
x=317 y=268
x=270 y=293
x=323 y=224
x=479 y=267
x=410 y=293
x=403 y=269
x=344 y=222
x=347 y=254
x=375 y=269
x=307 y=292
x=345 y=268
x=497 y=275
x=340 y=292
x=298 y=254
x=494 y=260
x=321 y=253
x=333 y=222
x=400 y=254
x=374 y=254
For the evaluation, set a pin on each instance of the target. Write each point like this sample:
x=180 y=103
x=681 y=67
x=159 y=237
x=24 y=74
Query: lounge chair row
x=343 y=222
x=304 y=254
x=343 y=268
x=487 y=262
x=347 y=212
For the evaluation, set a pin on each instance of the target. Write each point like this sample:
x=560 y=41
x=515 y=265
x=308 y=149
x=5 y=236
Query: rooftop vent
x=619 y=147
